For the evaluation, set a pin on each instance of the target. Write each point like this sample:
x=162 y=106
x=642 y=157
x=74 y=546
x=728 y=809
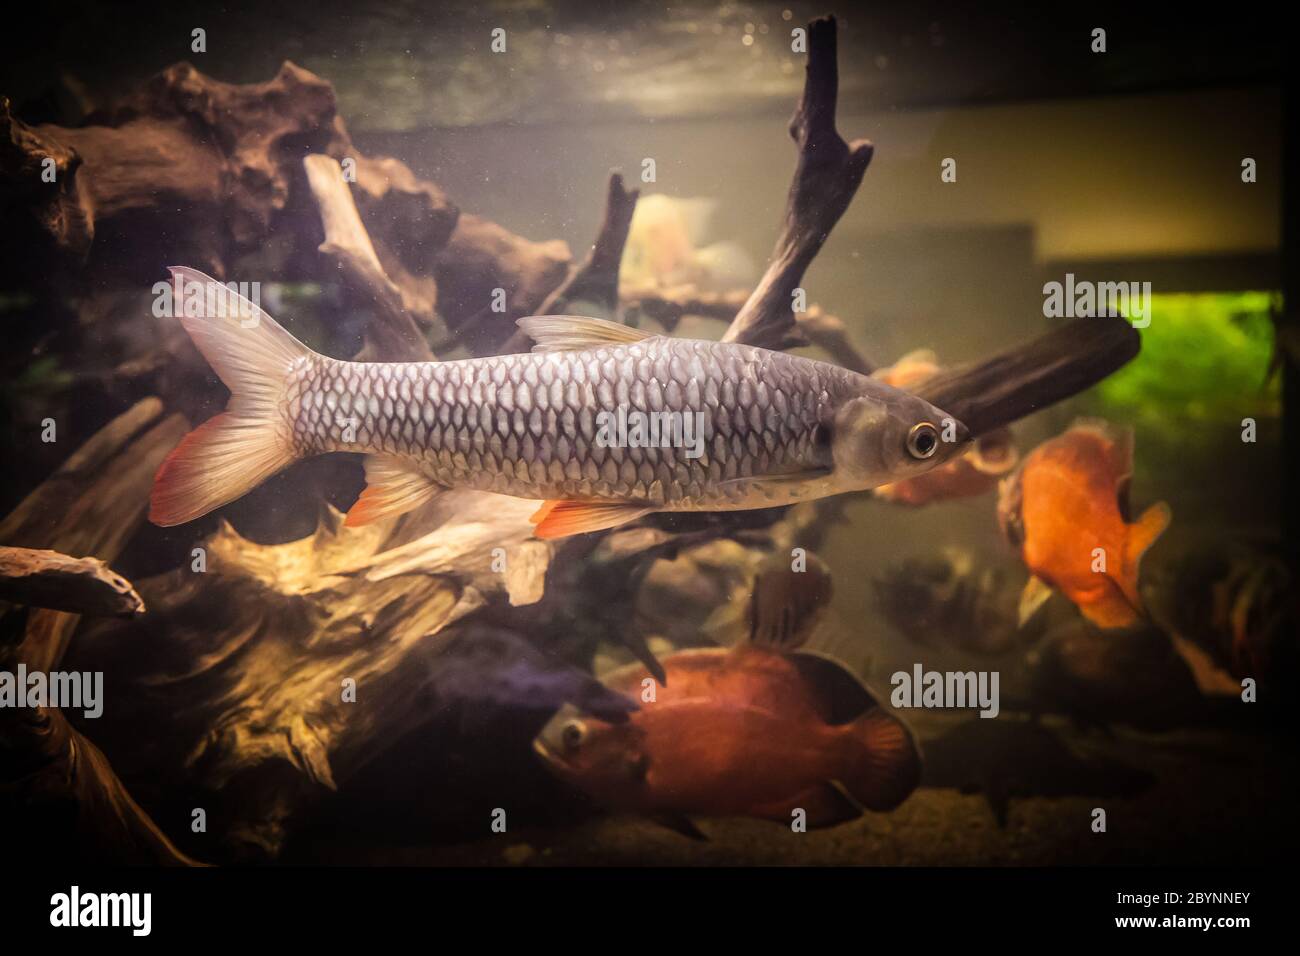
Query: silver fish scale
x=527 y=424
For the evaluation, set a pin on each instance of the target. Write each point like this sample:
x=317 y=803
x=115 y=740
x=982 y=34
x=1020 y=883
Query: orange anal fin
x=562 y=518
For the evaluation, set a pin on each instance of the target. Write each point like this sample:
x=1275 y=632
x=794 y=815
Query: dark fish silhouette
x=1005 y=759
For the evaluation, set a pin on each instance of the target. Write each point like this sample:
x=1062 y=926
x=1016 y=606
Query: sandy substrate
x=1215 y=798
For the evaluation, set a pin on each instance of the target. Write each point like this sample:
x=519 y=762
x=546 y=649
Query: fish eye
x=572 y=734
x=922 y=440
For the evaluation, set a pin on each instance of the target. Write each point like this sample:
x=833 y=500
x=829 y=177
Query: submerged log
x=827 y=175
x=393 y=335
x=595 y=280
x=286 y=668
x=483 y=257
x=59 y=787
x=1026 y=379
x=42 y=578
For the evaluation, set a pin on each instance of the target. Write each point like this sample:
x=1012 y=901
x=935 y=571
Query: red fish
x=1066 y=511
x=754 y=731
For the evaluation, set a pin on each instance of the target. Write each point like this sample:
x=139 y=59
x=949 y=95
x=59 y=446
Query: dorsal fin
x=786 y=605
x=571 y=333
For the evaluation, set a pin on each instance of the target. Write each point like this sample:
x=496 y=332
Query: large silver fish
x=606 y=423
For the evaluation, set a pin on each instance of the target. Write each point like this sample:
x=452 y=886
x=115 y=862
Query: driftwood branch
x=596 y=278
x=1051 y=368
x=820 y=328
x=40 y=578
x=393 y=335
x=98 y=497
x=826 y=177
x=669 y=306
x=482 y=257
x=829 y=334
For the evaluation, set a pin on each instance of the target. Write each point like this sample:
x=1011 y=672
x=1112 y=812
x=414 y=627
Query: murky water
x=387 y=693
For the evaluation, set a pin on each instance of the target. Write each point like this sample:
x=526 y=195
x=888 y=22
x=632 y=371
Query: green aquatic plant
x=1205 y=357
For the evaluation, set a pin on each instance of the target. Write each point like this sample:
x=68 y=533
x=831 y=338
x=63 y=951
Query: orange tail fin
x=248 y=443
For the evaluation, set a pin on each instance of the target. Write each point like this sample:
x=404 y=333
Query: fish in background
x=1068 y=499
x=1014 y=759
x=1240 y=604
x=785 y=604
x=712 y=593
x=767 y=428
x=758 y=730
x=491 y=670
x=952 y=599
x=1139 y=679
x=664 y=248
x=990 y=457
x=756 y=596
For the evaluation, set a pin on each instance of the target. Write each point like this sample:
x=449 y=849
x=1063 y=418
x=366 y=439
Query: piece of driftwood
x=1026 y=379
x=393 y=335
x=483 y=264
x=826 y=177
x=227 y=156
x=595 y=279
x=668 y=307
x=43 y=578
x=286 y=668
x=829 y=334
x=61 y=793
x=60 y=217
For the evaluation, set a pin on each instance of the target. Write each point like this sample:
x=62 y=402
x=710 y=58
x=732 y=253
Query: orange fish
x=757 y=731
x=1066 y=511
x=991 y=456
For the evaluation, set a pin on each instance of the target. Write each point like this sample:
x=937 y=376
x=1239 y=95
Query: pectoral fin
x=786 y=605
x=775 y=484
x=1034 y=596
x=562 y=518
x=394 y=486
